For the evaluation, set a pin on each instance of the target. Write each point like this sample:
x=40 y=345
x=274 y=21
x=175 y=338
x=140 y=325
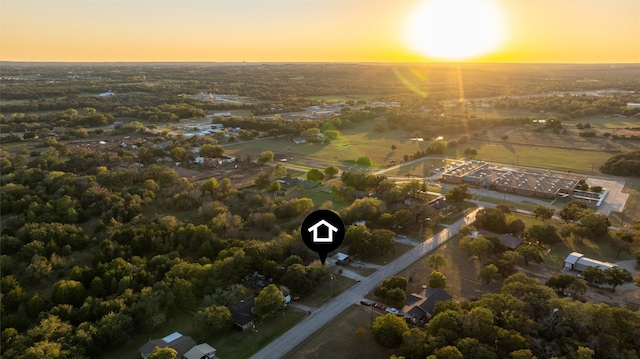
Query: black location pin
x=322 y=231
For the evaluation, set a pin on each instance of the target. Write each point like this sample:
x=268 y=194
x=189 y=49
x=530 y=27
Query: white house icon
x=329 y=230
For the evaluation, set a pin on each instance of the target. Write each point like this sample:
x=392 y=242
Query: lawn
x=564 y=159
x=398 y=250
x=239 y=345
x=339 y=339
x=461 y=272
x=319 y=195
x=327 y=289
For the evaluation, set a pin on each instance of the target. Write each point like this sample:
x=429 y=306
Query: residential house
x=421 y=307
x=509 y=240
x=243 y=314
x=342 y=258
x=175 y=341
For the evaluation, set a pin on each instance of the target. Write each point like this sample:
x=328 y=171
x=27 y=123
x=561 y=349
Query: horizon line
x=323 y=62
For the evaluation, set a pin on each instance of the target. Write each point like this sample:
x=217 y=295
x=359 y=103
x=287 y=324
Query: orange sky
x=576 y=31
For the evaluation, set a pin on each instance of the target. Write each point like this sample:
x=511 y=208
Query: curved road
x=326 y=313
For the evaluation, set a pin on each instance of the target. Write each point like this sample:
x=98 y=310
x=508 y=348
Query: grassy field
x=342 y=98
x=498 y=113
x=319 y=195
x=535 y=156
x=339 y=338
x=326 y=290
x=240 y=345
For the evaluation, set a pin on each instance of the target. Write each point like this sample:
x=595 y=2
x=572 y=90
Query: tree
x=297 y=279
x=363 y=161
x=69 y=292
x=543 y=234
x=488 y=273
x=436 y=261
x=478 y=247
x=209 y=186
x=530 y=253
x=437 y=280
x=597 y=223
x=214 y=319
x=616 y=276
x=458 y=193
x=388 y=330
x=393 y=147
x=505 y=137
x=543 y=212
x=572 y=211
x=269 y=301
x=382 y=241
x=447 y=352
x=265 y=156
x=593 y=275
x=279 y=171
x=211 y=151
x=331 y=171
x=414 y=344
x=163 y=353
x=315 y=175
x=470 y=152
x=624 y=240
x=262 y=180
x=563 y=283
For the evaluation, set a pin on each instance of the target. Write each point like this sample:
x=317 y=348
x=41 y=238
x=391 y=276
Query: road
x=321 y=316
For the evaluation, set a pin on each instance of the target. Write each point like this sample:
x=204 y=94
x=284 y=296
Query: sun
x=455 y=29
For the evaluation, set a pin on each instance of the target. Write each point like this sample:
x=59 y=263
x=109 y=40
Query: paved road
x=326 y=313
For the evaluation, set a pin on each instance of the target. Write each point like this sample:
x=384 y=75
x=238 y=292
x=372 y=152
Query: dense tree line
x=623 y=164
x=524 y=318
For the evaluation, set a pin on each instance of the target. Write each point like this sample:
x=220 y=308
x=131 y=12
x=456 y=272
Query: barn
x=578 y=262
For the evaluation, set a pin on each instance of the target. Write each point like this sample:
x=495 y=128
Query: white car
x=393 y=311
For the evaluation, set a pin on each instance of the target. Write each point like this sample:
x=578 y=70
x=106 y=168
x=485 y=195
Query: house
x=578 y=262
x=201 y=351
x=106 y=94
x=175 y=341
x=421 y=307
x=440 y=204
x=243 y=314
x=323 y=231
x=342 y=258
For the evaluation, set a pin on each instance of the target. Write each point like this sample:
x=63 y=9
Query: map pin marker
x=322 y=231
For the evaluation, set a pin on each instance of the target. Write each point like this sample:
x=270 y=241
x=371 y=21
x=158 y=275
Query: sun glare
x=455 y=29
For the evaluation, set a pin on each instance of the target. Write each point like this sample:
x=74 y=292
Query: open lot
x=340 y=338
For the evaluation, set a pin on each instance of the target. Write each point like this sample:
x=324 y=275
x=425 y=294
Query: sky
x=533 y=31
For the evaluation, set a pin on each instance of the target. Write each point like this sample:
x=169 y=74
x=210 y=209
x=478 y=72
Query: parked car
x=379 y=306
x=393 y=311
x=365 y=302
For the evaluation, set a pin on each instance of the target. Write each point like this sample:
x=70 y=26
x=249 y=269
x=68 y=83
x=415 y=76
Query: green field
x=537 y=156
x=342 y=98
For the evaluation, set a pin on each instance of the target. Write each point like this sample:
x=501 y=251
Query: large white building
x=578 y=262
